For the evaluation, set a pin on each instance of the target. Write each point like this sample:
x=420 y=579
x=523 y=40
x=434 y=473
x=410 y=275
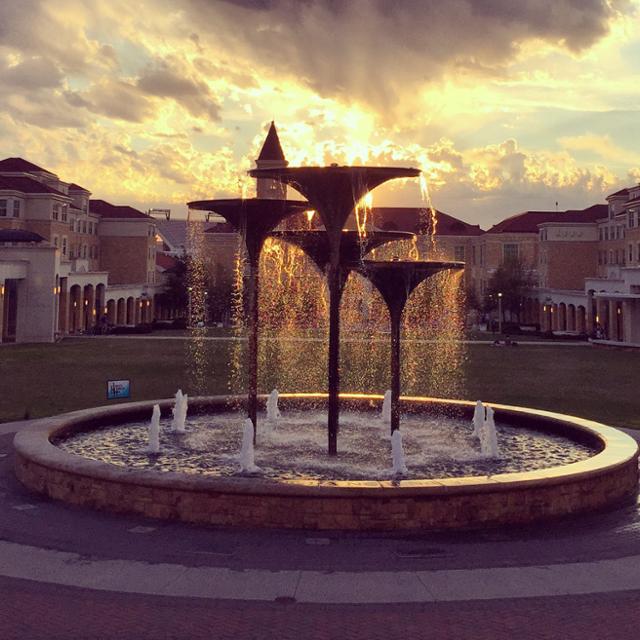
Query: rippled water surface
x=296 y=447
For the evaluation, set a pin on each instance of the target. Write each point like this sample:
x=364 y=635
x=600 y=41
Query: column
x=137 y=311
x=613 y=321
x=2 y=293
x=591 y=321
x=601 y=315
x=63 y=317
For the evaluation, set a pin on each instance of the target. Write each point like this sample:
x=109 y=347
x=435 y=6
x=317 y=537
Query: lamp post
x=189 y=290
x=500 y=313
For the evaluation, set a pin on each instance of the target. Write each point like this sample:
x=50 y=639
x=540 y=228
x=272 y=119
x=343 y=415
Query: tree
x=513 y=279
x=175 y=293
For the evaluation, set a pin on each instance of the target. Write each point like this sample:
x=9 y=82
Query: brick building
x=69 y=263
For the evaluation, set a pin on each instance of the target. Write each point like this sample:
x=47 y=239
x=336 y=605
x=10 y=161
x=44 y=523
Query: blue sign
x=118 y=389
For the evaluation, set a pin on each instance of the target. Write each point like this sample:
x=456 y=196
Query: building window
x=458 y=254
x=606 y=233
x=638 y=252
x=64 y=213
x=56 y=211
x=473 y=254
x=64 y=245
x=509 y=252
x=84 y=226
x=610 y=256
x=16 y=208
x=55 y=241
x=3 y=208
x=630 y=253
x=84 y=250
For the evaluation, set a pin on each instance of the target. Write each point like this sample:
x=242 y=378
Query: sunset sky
x=505 y=105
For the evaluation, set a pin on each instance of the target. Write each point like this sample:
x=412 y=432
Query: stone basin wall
x=608 y=478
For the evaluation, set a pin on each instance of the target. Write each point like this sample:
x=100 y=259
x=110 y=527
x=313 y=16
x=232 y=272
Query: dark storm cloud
x=377 y=50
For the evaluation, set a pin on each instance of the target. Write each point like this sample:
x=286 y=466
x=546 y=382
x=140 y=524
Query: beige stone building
x=69 y=264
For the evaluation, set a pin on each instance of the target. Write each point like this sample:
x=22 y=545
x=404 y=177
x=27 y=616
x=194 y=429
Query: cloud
x=32 y=73
x=172 y=79
x=116 y=98
x=601 y=146
x=374 y=51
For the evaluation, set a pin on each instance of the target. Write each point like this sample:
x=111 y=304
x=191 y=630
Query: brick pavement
x=31 y=611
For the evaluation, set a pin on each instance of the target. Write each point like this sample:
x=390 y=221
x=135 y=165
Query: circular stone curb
x=605 y=479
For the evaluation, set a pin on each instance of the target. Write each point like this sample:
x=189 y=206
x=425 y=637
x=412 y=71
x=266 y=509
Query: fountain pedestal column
x=254 y=219
x=351 y=246
x=396 y=280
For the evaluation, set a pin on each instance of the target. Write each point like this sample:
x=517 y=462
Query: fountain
x=600 y=469
x=488 y=437
x=179 y=412
x=154 y=431
x=254 y=219
x=246 y=457
x=395 y=281
x=385 y=415
x=334 y=192
x=397 y=454
x=478 y=418
x=273 y=413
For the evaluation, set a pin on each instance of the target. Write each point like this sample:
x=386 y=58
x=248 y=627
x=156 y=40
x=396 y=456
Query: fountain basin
x=605 y=479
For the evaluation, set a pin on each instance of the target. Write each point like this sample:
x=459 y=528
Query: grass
x=40 y=380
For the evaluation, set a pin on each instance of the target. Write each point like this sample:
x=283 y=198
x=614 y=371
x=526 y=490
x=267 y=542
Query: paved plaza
x=69 y=573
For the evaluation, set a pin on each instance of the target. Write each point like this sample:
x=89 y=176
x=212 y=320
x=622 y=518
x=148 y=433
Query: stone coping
x=617 y=450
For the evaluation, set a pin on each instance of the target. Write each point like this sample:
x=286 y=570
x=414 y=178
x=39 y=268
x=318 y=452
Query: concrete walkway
x=72 y=573
x=367 y=587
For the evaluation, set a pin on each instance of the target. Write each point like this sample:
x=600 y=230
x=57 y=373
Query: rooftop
x=23 y=184
x=413 y=219
x=18 y=235
x=108 y=210
x=20 y=165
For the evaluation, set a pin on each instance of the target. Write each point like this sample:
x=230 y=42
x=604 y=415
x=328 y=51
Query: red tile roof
x=413 y=219
x=271 y=149
x=165 y=262
x=108 y=210
x=528 y=221
x=19 y=165
x=23 y=184
x=590 y=214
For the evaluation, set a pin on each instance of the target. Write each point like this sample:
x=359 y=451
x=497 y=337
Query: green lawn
x=47 y=379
